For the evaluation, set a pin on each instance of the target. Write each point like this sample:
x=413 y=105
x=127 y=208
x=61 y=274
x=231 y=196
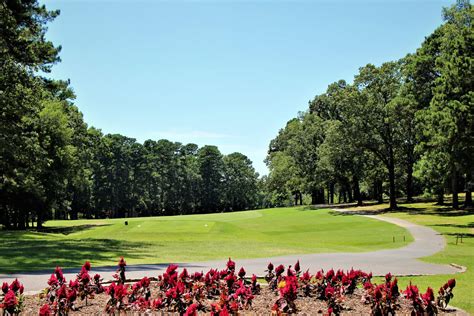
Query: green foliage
x=54 y=166
x=402 y=127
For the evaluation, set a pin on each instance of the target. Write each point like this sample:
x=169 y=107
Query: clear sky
x=225 y=73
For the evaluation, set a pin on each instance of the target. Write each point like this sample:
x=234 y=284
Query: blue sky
x=225 y=73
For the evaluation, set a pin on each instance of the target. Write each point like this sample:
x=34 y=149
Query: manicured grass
x=260 y=233
x=448 y=222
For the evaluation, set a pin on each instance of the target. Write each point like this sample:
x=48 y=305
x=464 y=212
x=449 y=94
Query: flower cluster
x=445 y=293
x=61 y=297
x=383 y=297
x=426 y=304
x=185 y=293
x=11 y=299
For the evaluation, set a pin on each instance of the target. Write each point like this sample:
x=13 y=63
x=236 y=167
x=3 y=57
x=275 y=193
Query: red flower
x=22 y=289
x=234 y=306
x=122 y=262
x=5 y=287
x=45 y=310
x=254 y=278
x=85 y=278
x=197 y=276
x=270 y=267
x=53 y=280
x=230 y=265
x=241 y=273
x=97 y=277
x=368 y=286
x=428 y=297
x=191 y=310
x=297 y=266
x=110 y=289
x=329 y=292
x=388 y=277
x=224 y=312
x=10 y=301
x=452 y=283
x=157 y=304
x=121 y=291
x=171 y=269
x=290 y=271
x=74 y=284
x=71 y=295
x=145 y=282
x=411 y=292
x=330 y=310
x=59 y=274
x=378 y=293
x=62 y=292
x=279 y=270
x=306 y=277
x=87 y=266
x=394 y=287
x=184 y=275
x=330 y=275
x=15 y=286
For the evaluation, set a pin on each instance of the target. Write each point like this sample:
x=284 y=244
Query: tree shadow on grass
x=66 y=230
x=444 y=211
x=20 y=253
x=470 y=225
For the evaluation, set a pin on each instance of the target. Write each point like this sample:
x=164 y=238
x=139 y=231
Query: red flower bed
x=225 y=293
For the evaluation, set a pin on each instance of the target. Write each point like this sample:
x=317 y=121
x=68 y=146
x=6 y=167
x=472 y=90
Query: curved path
x=400 y=261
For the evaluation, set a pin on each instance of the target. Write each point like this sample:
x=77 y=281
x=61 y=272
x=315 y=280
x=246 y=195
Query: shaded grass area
x=250 y=234
x=450 y=223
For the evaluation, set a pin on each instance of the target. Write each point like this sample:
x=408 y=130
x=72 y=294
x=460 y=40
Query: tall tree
x=449 y=121
x=239 y=182
x=376 y=116
x=211 y=172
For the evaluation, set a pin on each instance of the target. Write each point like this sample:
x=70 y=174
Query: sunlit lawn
x=247 y=234
x=448 y=222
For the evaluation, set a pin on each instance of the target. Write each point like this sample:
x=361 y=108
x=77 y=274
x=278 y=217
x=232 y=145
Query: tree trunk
x=314 y=197
x=357 y=194
x=331 y=193
x=301 y=198
x=467 y=185
x=340 y=196
x=391 y=175
x=409 y=184
x=454 y=188
x=440 y=196
x=349 y=193
x=296 y=198
x=380 y=192
x=468 y=200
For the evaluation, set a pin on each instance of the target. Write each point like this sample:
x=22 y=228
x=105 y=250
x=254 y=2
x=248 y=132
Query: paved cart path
x=400 y=261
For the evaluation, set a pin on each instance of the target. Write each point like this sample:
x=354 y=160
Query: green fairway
x=448 y=222
x=247 y=234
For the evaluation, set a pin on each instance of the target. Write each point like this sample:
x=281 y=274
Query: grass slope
x=448 y=222
x=260 y=233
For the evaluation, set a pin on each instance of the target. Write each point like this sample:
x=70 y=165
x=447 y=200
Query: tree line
x=53 y=165
x=399 y=129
